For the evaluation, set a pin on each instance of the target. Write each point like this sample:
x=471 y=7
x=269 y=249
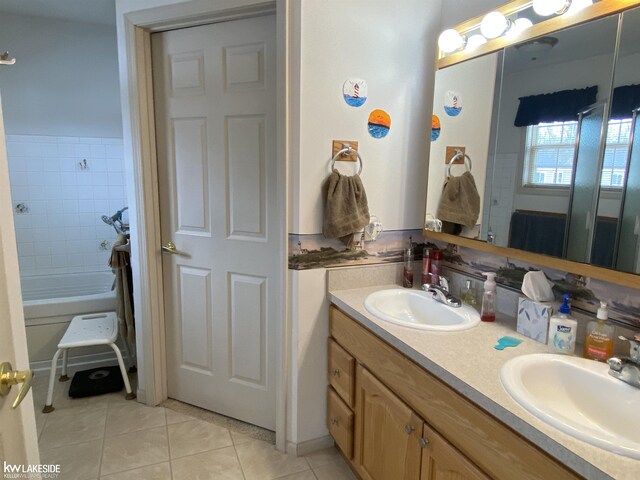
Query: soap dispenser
x=562 y=330
x=598 y=344
x=488 y=312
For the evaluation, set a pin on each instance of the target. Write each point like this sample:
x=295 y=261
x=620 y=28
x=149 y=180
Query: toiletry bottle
x=598 y=344
x=562 y=330
x=426 y=266
x=488 y=313
x=436 y=267
x=468 y=295
x=407 y=273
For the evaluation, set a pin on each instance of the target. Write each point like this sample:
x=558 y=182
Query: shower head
x=116 y=222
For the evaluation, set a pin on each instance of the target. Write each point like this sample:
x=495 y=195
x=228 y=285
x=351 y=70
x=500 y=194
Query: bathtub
x=51 y=301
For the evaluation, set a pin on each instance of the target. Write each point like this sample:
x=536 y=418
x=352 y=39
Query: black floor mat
x=96 y=381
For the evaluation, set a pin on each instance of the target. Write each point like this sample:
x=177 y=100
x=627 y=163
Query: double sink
x=574 y=395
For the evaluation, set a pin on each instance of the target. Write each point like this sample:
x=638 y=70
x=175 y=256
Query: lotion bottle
x=598 y=344
x=488 y=312
x=562 y=330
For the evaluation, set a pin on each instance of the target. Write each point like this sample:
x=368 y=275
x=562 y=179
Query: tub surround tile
x=46 y=169
x=134 y=450
x=196 y=436
x=161 y=471
x=77 y=462
x=261 y=461
x=221 y=464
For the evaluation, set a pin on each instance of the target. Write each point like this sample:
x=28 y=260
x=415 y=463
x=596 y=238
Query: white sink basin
x=416 y=309
x=579 y=397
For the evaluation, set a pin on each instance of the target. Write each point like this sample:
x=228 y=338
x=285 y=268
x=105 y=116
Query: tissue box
x=533 y=319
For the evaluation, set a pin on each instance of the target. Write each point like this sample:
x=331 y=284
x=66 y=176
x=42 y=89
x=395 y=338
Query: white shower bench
x=85 y=331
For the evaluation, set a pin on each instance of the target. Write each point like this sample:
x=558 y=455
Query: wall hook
x=5 y=60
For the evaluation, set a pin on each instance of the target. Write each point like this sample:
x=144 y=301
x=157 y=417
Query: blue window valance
x=626 y=99
x=561 y=106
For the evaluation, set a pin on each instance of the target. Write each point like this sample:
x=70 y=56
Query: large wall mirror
x=549 y=126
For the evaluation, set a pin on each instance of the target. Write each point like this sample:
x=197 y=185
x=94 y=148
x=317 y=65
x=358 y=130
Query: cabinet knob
x=334 y=421
x=423 y=442
x=409 y=429
x=335 y=372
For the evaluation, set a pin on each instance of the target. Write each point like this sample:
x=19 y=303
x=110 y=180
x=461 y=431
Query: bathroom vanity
x=409 y=404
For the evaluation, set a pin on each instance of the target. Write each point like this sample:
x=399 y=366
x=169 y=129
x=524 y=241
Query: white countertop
x=467 y=362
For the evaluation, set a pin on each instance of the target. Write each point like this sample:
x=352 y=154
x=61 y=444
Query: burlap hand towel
x=345 y=207
x=460 y=202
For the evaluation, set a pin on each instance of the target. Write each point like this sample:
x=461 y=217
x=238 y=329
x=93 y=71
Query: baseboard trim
x=141 y=396
x=309 y=446
x=81 y=362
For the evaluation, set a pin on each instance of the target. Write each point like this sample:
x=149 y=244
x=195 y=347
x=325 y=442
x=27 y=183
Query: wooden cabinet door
x=441 y=461
x=387 y=439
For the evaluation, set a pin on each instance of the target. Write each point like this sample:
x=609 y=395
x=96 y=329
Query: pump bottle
x=598 y=344
x=488 y=312
x=562 y=330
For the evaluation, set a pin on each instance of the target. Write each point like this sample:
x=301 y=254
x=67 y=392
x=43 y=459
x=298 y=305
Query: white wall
x=470 y=129
x=65 y=80
x=458 y=11
x=61 y=105
x=392 y=46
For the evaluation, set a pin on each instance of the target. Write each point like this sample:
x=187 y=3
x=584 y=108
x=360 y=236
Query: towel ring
x=454 y=158
x=346 y=149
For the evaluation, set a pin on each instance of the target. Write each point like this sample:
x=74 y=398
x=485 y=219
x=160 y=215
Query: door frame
x=134 y=44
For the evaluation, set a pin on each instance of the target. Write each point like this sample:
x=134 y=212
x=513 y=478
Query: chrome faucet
x=627 y=369
x=441 y=293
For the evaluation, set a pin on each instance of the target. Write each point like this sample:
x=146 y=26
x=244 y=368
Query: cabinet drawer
x=340 y=422
x=342 y=367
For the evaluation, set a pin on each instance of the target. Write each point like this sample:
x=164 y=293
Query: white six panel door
x=215 y=99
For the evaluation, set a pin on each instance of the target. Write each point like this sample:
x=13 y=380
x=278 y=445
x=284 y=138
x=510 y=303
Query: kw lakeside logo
x=30 y=471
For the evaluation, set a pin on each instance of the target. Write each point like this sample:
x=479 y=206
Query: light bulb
x=450 y=41
x=577 y=5
x=494 y=24
x=474 y=42
x=544 y=8
x=519 y=26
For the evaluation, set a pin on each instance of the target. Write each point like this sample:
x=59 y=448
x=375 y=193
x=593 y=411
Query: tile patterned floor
x=109 y=438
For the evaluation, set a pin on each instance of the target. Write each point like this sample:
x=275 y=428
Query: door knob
x=170 y=247
x=9 y=378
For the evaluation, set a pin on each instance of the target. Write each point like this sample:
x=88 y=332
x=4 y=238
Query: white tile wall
x=62 y=231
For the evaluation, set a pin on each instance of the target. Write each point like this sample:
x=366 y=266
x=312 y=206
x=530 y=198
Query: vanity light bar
x=496 y=24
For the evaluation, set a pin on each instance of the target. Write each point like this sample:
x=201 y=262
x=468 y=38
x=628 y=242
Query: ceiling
x=91 y=11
